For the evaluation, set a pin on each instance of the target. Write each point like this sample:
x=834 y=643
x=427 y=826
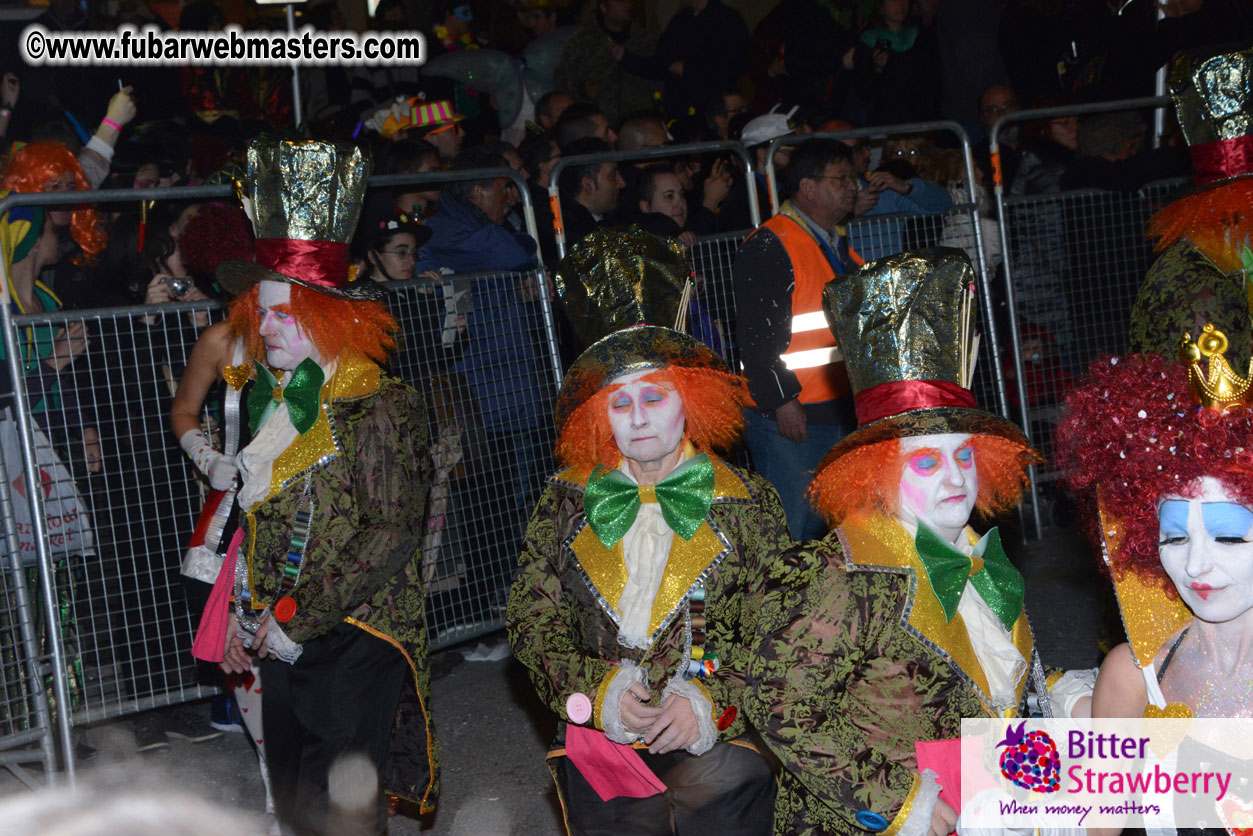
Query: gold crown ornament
x=1218 y=387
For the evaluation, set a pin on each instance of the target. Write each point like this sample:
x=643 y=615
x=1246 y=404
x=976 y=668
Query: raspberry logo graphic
x=1030 y=759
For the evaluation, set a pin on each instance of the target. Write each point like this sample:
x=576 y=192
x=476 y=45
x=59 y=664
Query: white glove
x=220 y=469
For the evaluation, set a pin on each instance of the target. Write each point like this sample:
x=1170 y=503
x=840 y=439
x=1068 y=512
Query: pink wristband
x=114 y=125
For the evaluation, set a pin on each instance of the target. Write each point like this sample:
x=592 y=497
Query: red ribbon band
x=899 y=396
x=1222 y=158
x=323 y=263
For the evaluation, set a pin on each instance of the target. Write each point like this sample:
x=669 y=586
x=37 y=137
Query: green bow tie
x=612 y=501
x=997 y=581
x=303 y=394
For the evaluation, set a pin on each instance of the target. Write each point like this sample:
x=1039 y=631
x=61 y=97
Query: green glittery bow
x=303 y=394
x=998 y=582
x=612 y=501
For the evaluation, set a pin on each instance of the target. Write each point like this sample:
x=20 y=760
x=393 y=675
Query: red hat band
x=1222 y=158
x=899 y=396
x=321 y=263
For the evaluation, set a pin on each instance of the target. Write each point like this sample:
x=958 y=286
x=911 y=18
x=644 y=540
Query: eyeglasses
x=403 y=253
x=904 y=152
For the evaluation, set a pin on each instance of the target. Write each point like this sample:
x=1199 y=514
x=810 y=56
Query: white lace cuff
x=918 y=823
x=280 y=646
x=1070 y=689
x=611 y=709
x=702 y=707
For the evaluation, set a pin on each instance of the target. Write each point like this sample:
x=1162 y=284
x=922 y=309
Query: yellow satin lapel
x=886 y=543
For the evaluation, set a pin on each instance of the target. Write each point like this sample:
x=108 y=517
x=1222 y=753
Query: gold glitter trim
x=884 y=543
x=237 y=376
x=354 y=378
x=1148 y=615
x=687 y=562
x=906 y=809
x=424 y=804
x=605 y=567
x=252 y=551
x=598 y=704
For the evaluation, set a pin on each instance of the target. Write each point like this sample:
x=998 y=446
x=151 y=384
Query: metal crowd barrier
x=965 y=230
x=110 y=630
x=1039 y=276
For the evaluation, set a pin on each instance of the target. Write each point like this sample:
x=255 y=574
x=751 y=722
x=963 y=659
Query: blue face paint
x=1173 y=518
x=464 y=14
x=1226 y=519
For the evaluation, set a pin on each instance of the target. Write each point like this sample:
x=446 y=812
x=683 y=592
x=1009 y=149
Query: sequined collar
x=883 y=545
x=354 y=378
x=690 y=562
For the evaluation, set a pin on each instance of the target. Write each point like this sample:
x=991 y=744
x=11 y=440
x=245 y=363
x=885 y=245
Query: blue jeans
x=790 y=467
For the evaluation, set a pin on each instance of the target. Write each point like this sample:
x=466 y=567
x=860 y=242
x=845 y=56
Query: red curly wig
x=866 y=481
x=713 y=402
x=30 y=169
x=218 y=232
x=336 y=326
x=1132 y=433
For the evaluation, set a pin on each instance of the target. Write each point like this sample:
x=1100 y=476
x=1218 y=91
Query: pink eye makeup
x=925 y=462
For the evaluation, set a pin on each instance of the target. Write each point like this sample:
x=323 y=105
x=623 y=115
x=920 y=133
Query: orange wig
x=713 y=403
x=866 y=481
x=30 y=169
x=1217 y=220
x=336 y=326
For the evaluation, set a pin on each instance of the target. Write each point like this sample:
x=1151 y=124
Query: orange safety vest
x=812 y=354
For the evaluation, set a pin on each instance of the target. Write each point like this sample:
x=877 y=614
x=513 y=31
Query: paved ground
x=493 y=734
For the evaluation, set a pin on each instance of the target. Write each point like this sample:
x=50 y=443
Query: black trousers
x=728 y=791
x=339 y=697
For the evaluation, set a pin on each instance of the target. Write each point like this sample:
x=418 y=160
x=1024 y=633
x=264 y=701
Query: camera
x=178 y=285
x=883 y=44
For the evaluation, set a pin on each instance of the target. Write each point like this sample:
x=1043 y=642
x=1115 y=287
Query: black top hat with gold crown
x=304 y=199
x=905 y=325
x=617 y=287
x=1214 y=103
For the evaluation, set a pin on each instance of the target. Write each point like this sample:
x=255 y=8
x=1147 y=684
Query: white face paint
x=939 y=482
x=286 y=343
x=1206 y=546
x=647 y=417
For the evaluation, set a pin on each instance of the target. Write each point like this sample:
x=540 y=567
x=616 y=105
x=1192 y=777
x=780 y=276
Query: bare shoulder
x=1120 y=689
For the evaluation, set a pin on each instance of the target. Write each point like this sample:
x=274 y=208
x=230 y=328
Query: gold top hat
x=1214 y=103
x=905 y=325
x=622 y=289
x=304 y=199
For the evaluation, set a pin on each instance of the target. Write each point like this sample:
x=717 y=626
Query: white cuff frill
x=918 y=823
x=280 y=646
x=1070 y=689
x=611 y=709
x=702 y=707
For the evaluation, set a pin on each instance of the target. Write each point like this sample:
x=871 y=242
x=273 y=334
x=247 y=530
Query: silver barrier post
x=25 y=616
x=998 y=186
x=981 y=270
x=662 y=153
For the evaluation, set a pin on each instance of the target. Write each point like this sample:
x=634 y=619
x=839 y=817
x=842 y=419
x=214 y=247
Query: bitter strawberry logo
x=1030 y=759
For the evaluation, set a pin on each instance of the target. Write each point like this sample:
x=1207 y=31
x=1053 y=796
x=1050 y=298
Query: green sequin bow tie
x=612 y=501
x=998 y=582
x=303 y=394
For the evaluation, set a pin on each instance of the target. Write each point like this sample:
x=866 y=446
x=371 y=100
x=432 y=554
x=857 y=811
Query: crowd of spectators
x=577 y=80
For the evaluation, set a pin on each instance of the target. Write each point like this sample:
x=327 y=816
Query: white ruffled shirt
x=1003 y=666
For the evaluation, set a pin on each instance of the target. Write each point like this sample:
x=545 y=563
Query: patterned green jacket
x=856 y=663
x=367 y=468
x=561 y=617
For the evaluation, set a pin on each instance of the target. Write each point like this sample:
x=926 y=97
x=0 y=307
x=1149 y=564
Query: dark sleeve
x=763 y=303
x=701 y=221
x=391 y=467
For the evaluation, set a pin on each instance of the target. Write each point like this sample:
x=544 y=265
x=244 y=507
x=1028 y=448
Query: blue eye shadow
x=1226 y=519
x=1173 y=518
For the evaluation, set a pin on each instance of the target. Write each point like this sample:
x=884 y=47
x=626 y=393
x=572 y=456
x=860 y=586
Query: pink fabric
x=210 y=643
x=612 y=769
x=944 y=757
